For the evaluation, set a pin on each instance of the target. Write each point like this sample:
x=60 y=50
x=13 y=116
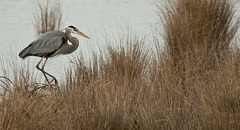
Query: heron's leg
x=37 y=66
x=56 y=82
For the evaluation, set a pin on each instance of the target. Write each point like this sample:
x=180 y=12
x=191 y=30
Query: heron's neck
x=73 y=40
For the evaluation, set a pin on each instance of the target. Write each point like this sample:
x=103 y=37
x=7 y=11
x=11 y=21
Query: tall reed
x=48 y=16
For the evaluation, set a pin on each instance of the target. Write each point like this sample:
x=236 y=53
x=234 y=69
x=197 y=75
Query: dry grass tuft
x=109 y=88
x=48 y=16
x=198 y=34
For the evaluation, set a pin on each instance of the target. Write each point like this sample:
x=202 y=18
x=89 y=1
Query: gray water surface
x=99 y=19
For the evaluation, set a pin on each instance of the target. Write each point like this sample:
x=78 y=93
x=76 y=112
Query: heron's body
x=50 y=44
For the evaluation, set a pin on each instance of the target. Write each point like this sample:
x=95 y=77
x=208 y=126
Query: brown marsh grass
x=192 y=84
x=198 y=34
x=48 y=16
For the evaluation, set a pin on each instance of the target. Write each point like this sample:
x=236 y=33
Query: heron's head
x=73 y=29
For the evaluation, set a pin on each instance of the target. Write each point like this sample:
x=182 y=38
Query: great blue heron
x=50 y=44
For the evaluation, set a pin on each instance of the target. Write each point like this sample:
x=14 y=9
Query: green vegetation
x=191 y=84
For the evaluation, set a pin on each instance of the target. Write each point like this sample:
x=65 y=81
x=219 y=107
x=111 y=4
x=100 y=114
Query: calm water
x=97 y=19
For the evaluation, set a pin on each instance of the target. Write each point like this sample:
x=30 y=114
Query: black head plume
x=72 y=27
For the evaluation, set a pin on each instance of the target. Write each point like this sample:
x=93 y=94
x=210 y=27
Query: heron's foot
x=48 y=87
x=40 y=87
x=56 y=83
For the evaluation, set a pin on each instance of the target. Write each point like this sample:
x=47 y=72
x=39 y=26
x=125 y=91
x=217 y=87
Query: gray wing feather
x=47 y=42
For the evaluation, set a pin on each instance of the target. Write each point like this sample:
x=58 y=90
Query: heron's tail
x=24 y=53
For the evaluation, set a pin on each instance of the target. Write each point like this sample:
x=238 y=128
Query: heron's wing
x=47 y=42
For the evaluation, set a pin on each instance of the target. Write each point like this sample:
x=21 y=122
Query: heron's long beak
x=82 y=34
